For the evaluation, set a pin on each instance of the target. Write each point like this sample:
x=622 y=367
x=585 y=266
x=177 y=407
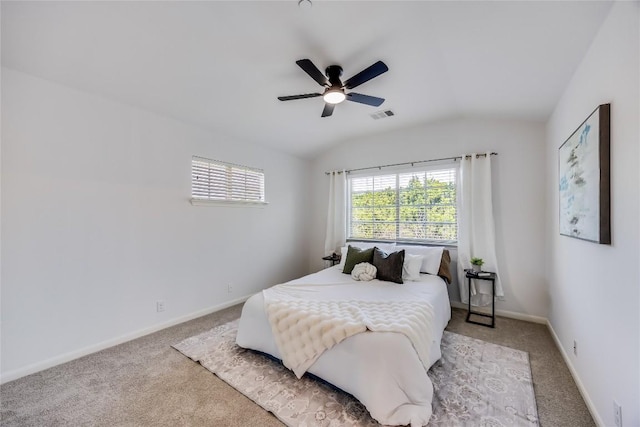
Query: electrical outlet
x=575 y=348
x=230 y=287
x=160 y=306
x=617 y=413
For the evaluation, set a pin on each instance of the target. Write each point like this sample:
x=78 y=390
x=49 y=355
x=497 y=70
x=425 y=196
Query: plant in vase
x=476 y=264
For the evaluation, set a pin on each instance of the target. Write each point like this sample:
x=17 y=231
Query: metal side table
x=470 y=274
x=333 y=259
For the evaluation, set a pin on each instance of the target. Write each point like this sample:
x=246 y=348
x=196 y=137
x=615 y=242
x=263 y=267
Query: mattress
x=381 y=369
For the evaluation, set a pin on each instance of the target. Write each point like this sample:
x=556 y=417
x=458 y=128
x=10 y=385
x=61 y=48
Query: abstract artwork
x=584 y=180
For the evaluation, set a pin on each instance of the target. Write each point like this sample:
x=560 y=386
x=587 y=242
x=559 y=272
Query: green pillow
x=356 y=256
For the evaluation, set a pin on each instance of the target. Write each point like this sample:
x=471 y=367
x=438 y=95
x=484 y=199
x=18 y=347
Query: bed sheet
x=381 y=369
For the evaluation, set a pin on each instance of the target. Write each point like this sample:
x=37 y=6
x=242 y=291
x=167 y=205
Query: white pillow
x=411 y=267
x=431 y=257
x=386 y=247
x=343 y=257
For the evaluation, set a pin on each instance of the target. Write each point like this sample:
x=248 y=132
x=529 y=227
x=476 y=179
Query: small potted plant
x=476 y=264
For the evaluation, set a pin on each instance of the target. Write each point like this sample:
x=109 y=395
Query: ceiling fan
x=334 y=92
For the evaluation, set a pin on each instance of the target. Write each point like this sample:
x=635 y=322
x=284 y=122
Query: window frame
x=397 y=171
x=228 y=179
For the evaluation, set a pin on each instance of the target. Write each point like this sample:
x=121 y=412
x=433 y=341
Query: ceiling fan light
x=334 y=97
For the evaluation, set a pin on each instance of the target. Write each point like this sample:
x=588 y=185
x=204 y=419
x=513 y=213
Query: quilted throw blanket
x=305 y=324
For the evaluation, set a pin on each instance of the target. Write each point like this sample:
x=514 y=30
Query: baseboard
x=576 y=378
x=67 y=357
x=509 y=314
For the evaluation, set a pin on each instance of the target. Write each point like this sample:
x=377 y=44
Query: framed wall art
x=584 y=184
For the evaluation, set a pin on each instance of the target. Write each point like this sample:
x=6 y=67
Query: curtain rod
x=468 y=156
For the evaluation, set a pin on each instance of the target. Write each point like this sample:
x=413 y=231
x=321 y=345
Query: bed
x=382 y=370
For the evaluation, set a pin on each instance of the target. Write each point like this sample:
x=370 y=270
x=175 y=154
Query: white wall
x=594 y=288
x=518 y=192
x=97 y=224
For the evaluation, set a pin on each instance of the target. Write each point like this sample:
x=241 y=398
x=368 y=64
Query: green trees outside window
x=418 y=206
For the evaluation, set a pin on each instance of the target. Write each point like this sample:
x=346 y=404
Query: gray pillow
x=356 y=256
x=389 y=265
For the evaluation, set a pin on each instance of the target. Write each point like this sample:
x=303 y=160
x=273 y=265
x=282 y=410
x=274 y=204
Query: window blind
x=418 y=205
x=214 y=180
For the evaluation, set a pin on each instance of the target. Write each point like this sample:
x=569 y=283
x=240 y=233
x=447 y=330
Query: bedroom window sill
x=446 y=243
x=228 y=203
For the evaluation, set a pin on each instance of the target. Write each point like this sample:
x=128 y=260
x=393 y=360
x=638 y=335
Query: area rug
x=476 y=383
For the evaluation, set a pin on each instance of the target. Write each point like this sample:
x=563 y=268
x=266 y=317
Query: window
x=214 y=181
x=415 y=206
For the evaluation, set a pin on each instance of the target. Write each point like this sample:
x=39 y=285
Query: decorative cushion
x=411 y=267
x=356 y=256
x=387 y=247
x=444 y=270
x=364 y=271
x=431 y=256
x=389 y=265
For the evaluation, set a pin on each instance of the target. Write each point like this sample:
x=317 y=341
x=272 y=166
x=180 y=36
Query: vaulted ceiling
x=221 y=65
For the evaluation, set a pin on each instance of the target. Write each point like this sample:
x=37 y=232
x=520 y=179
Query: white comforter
x=381 y=369
x=304 y=327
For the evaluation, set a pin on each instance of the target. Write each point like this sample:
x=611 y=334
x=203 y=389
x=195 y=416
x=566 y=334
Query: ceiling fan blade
x=303 y=96
x=328 y=109
x=365 y=99
x=313 y=71
x=367 y=74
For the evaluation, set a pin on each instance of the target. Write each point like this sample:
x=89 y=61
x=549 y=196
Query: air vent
x=382 y=114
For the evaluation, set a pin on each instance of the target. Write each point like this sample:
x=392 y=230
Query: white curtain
x=476 y=228
x=336 y=234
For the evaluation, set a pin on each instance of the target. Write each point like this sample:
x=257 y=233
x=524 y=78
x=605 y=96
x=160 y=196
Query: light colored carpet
x=145 y=382
x=475 y=384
